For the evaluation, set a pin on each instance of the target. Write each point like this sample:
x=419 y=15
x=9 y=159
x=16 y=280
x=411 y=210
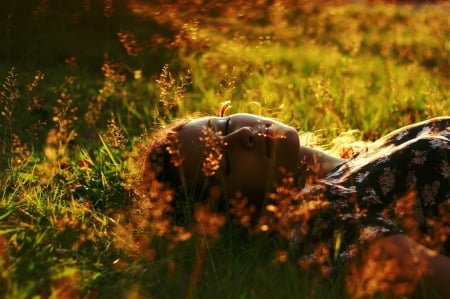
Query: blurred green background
x=84 y=83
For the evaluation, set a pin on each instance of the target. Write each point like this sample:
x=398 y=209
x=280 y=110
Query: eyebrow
x=227 y=126
x=227 y=155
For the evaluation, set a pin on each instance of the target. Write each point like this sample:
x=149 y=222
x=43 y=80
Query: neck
x=318 y=162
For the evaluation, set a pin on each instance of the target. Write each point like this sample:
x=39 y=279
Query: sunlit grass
x=75 y=119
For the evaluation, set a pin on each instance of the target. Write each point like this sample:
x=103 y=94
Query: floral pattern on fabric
x=400 y=183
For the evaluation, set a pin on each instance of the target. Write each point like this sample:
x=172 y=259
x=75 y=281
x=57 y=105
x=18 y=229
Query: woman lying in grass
x=384 y=213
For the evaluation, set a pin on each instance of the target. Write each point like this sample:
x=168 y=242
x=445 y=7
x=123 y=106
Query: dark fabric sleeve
x=401 y=183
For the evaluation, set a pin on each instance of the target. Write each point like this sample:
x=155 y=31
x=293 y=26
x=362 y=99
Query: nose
x=244 y=136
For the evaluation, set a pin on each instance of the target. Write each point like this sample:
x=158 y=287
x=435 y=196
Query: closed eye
x=227 y=156
x=227 y=127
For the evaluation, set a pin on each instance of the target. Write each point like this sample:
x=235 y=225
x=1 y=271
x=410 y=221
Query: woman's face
x=257 y=153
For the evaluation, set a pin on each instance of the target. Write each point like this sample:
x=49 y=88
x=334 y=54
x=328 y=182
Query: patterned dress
x=399 y=184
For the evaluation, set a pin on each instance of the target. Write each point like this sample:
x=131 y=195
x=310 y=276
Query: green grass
x=75 y=115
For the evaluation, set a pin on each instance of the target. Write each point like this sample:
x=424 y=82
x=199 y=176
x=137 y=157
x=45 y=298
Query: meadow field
x=84 y=84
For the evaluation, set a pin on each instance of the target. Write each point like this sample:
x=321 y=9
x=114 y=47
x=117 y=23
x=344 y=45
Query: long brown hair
x=163 y=170
x=162 y=161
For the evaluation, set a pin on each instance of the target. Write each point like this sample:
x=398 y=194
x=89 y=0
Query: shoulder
x=434 y=126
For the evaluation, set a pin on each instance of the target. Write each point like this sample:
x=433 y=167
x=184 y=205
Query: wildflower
x=114 y=135
x=213 y=151
x=208 y=223
x=173 y=148
x=129 y=42
x=371 y=232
